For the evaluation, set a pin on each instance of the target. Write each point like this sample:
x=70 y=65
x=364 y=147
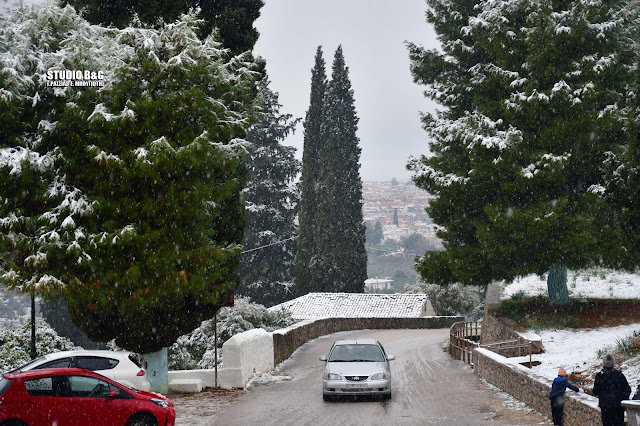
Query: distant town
x=383 y=200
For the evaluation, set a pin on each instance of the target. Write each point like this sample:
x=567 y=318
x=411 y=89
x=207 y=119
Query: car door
x=50 y=400
x=93 y=405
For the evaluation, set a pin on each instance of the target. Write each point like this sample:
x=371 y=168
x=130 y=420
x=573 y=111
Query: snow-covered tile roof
x=358 y=305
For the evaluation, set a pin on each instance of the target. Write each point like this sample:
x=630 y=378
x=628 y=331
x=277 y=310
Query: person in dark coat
x=611 y=388
x=558 y=387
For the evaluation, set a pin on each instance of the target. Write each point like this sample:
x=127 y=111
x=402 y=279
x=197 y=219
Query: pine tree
x=306 y=241
x=339 y=263
x=535 y=93
x=141 y=218
x=233 y=19
x=271 y=202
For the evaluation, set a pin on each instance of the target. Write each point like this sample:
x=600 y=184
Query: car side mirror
x=391 y=357
x=112 y=394
x=323 y=358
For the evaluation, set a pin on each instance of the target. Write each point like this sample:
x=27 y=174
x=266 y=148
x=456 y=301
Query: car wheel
x=326 y=397
x=387 y=396
x=142 y=419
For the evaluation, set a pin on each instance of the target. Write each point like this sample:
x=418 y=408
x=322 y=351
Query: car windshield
x=356 y=353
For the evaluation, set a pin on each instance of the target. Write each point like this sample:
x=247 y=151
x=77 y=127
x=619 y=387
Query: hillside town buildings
x=383 y=200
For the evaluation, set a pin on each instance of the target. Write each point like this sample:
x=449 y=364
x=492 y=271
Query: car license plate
x=355 y=386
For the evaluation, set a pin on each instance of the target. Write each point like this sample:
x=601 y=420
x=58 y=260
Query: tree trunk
x=557 y=284
x=158 y=370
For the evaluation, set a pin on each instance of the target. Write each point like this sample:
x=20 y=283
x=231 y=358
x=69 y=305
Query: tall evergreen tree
x=339 y=263
x=306 y=241
x=233 y=18
x=535 y=95
x=140 y=219
x=271 y=201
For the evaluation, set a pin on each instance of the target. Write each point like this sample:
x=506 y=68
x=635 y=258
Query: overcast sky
x=372 y=34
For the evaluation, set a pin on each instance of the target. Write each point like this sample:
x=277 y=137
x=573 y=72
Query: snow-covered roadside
x=577 y=350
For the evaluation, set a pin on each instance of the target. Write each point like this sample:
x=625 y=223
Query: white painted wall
x=244 y=355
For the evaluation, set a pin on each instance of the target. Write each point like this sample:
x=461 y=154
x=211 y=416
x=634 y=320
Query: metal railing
x=633 y=412
x=520 y=344
x=464 y=337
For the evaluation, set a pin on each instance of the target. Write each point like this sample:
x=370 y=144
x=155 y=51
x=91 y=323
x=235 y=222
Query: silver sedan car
x=356 y=367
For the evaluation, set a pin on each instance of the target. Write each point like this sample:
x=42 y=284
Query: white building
x=376 y=284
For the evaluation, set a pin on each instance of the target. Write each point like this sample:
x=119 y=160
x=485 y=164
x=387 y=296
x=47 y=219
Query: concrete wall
x=523 y=384
x=258 y=351
x=244 y=355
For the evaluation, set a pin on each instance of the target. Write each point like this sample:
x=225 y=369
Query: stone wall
x=498 y=328
x=287 y=340
x=523 y=384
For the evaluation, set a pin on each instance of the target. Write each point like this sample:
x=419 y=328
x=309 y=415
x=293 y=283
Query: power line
x=269 y=245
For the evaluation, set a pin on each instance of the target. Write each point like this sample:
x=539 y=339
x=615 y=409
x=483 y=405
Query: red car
x=75 y=397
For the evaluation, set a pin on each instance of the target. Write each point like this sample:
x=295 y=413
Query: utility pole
x=33 y=352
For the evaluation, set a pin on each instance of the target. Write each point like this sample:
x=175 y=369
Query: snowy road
x=429 y=388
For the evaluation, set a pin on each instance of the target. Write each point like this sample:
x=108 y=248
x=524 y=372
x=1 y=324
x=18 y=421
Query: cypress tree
x=271 y=202
x=535 y=93
x=306 y=241
x=340 y=258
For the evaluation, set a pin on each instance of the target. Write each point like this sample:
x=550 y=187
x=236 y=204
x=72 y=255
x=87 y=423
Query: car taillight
x=140 y=373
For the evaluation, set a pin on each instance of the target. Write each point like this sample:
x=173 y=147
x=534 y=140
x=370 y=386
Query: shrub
x=453 y=299
x=15 y=343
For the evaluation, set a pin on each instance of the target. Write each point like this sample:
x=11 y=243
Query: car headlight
x=332 y=376
x=161 y=402
x=380 y=376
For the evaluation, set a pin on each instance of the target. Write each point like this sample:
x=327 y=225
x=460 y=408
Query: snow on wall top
x=357 y=305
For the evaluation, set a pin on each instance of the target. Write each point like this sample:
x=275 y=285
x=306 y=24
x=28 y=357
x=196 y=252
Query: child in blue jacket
x=559 y=386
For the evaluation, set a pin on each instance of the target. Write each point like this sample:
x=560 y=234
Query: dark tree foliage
x=271 y=201
x=167 y=185
x=534 y=94
x=306 y=241
x=339 y=263
x=623 y=188
x=55 y=312
x=233 y=18
x=374 y=233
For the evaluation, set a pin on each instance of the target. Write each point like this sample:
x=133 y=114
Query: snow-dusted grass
x=580 y=350
x=592 y=283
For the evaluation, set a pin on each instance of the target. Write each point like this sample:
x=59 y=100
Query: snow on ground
x=581 y=350
x=595 y=283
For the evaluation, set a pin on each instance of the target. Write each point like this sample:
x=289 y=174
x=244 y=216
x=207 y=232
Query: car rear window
x=135 y=359
x=4 y=384
x=94 y=363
